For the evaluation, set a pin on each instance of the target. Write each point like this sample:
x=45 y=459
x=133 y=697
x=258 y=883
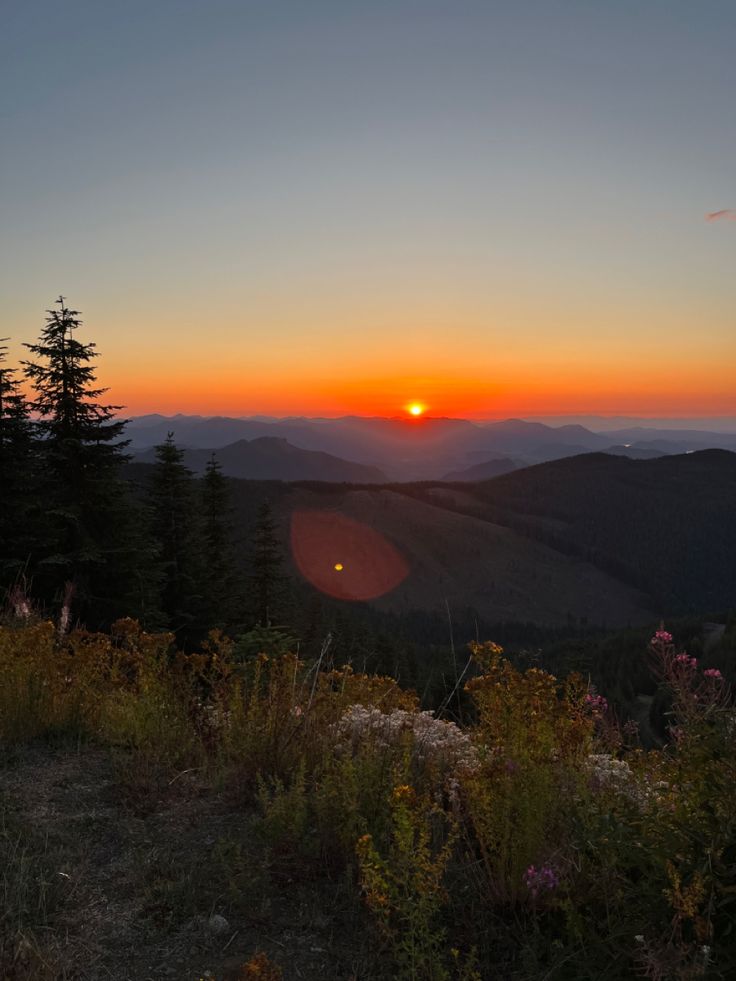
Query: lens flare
x=324 y=543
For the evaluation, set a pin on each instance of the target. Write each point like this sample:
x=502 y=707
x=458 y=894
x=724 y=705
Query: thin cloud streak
x=725 y=214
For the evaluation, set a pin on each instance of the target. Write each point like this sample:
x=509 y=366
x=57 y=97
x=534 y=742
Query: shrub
x=536 y=842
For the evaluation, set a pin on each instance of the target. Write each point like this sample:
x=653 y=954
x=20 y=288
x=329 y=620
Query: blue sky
x=343 y=198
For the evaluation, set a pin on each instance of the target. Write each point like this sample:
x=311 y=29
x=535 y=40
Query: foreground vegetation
x=536 y=840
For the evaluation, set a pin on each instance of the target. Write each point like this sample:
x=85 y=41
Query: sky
x=322 y=208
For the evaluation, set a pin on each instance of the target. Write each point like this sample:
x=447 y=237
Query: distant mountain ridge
x=427 y=448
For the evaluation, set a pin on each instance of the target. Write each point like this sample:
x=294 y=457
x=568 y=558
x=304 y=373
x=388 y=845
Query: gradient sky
x=329 y=207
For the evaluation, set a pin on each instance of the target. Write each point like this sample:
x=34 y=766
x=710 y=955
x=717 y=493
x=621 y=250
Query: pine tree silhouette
x=95 y=539
x=224 y=600
x=18 y=506
x=177 y=529
x=268 y=582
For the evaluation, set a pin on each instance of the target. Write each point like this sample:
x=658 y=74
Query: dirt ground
x=124 y=875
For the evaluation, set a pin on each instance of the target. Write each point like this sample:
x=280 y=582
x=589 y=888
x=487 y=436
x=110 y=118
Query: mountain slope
x=467 y=563
x=270 y=458
x=482 y=471
x=598 y=536
x=666 y=525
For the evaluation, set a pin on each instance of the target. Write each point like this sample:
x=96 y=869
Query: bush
x=539 y=841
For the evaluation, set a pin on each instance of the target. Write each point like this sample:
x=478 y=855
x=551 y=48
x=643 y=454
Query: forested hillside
x=666 y=526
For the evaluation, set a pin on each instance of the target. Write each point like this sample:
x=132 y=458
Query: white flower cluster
x=608 y=773
x=434 y=739
x=212 y=718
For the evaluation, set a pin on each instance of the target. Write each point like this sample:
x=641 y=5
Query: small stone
x=218 y=924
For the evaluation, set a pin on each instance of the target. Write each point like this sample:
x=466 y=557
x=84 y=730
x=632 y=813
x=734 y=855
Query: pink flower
x=597 y=703
x=713 y=673
x=663 y=636
x=544 y=879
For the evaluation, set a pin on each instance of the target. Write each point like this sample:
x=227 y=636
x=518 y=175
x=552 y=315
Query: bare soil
x=144 y=877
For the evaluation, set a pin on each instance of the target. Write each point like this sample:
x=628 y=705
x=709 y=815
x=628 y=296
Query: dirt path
x=173 y=883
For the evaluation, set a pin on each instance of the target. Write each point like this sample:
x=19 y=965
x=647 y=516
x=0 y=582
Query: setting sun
x=415 y=409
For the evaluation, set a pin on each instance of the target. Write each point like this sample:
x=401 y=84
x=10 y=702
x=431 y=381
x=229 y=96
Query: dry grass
x=102 y=891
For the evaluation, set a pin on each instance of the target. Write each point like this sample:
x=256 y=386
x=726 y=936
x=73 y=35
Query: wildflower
x=630 y=729
x=434 y=738
x=663 y=636
x=596 y=703
x=20 y=604
x=403 y=793
x=713 y=673
x=540 y=880
x=453 y=792
x=261 y=968
x=608 y=773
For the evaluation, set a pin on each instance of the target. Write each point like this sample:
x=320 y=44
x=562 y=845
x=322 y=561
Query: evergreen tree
x=17 y=503
x=176 y=527
x=223 y=586
x=94 y=538
x=267 y=580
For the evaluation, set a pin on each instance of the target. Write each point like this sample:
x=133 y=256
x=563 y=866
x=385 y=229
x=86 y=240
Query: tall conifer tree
x=95 y=541
x=17 y=501
x=267 y=580
x=223 y=584
x=176 y=526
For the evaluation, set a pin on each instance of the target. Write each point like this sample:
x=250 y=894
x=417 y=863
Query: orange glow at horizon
x=637 y=391
x=362 y=354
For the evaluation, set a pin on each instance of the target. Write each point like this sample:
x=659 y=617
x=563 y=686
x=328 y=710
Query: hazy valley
x=408 y=449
